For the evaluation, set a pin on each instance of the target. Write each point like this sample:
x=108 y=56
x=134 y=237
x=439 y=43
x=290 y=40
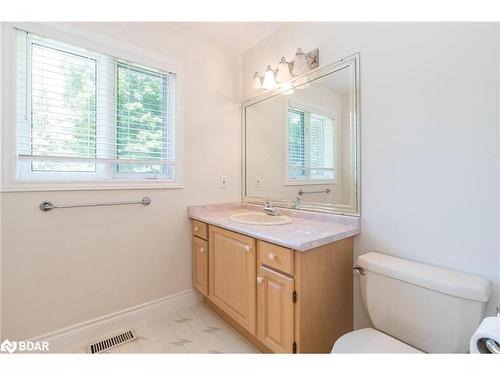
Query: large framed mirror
x=301 y=144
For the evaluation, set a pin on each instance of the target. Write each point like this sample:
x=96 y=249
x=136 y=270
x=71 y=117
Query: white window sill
x=310 y=182
x=90 y=185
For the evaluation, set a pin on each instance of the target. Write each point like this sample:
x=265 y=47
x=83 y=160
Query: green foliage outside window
x=141 y=116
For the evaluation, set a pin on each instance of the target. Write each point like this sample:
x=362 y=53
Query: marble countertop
x=306 y=231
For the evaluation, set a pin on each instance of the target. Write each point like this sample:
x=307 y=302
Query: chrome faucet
x=270 y=210
x=297 y=203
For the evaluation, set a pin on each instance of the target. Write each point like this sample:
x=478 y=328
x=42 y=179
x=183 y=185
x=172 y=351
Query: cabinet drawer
x=276 y=257
x=200 y=229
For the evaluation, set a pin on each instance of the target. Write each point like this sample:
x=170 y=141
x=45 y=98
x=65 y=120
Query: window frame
x=99 y=44
x=308 y=107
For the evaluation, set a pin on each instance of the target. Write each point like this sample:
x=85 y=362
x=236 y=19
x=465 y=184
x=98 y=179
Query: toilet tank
x=431 y=308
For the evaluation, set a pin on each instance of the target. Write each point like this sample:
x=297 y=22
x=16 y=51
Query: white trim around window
x=94 y=42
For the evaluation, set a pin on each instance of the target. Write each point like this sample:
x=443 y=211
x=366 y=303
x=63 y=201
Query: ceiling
x=238 y=35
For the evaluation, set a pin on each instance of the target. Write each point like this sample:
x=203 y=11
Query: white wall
x=429 y=136
x=66 y=267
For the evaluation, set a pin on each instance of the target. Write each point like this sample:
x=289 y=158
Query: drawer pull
x=271 y=256
x=196 y=229
x=202 y=250
x=260 y=280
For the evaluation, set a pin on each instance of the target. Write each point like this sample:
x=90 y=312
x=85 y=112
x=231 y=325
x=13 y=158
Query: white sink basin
x=260 y=218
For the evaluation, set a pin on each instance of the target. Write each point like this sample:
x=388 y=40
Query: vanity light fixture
x=300 y=64
x=286 y=71
x=269 y=79
x=257 y=81
x=283 y=74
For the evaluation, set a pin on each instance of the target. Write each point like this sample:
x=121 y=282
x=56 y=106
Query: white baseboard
x=64 y=339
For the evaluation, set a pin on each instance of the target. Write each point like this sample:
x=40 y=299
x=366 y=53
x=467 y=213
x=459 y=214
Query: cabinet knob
x=271 y=256
x=247 y=248
x=202 y=250
x=260 y=279
x=196 y=229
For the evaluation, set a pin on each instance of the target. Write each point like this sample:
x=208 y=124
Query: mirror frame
x=351 y=61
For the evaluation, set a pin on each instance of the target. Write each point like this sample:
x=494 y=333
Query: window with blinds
x=310 y=146
x=85 y=115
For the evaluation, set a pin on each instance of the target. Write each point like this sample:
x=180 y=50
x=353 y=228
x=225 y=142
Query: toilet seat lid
x=369 y=340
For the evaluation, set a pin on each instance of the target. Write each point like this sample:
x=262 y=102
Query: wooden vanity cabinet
x=281 y=300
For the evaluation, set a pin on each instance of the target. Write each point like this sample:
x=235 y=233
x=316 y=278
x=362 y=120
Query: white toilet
x=415 y=307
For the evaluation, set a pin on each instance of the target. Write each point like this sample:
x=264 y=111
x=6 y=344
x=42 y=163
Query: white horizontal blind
x=296 y=144
x=145 y=119
x=310 y=145
x=87 y=115
x=320 y=147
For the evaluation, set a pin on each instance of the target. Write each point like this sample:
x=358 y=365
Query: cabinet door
x=200 y=265
x=232 y=269
x=275 y=310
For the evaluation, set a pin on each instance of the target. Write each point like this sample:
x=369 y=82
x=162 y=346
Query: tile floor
x=195 y=329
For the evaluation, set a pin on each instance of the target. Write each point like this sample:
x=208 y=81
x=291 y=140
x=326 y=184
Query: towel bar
x=47 y=205
x=326 y=191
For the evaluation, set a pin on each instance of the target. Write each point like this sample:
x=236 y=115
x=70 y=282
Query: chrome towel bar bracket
x=47 y=205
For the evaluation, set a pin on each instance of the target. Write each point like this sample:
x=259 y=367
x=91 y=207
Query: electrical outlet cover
x=224 y=182
x=258 y=181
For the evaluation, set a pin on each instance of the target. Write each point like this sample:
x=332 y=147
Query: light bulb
x=257 y=82
x=269 y=80
x=300 y=65
x=283 y=71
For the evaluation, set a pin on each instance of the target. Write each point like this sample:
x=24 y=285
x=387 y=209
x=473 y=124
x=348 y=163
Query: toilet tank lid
x=455 y=283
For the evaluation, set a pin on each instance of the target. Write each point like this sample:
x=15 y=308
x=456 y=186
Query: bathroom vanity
x=285 y=281
x=286 y=288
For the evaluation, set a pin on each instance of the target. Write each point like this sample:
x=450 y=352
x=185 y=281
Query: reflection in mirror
x=301 y=148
